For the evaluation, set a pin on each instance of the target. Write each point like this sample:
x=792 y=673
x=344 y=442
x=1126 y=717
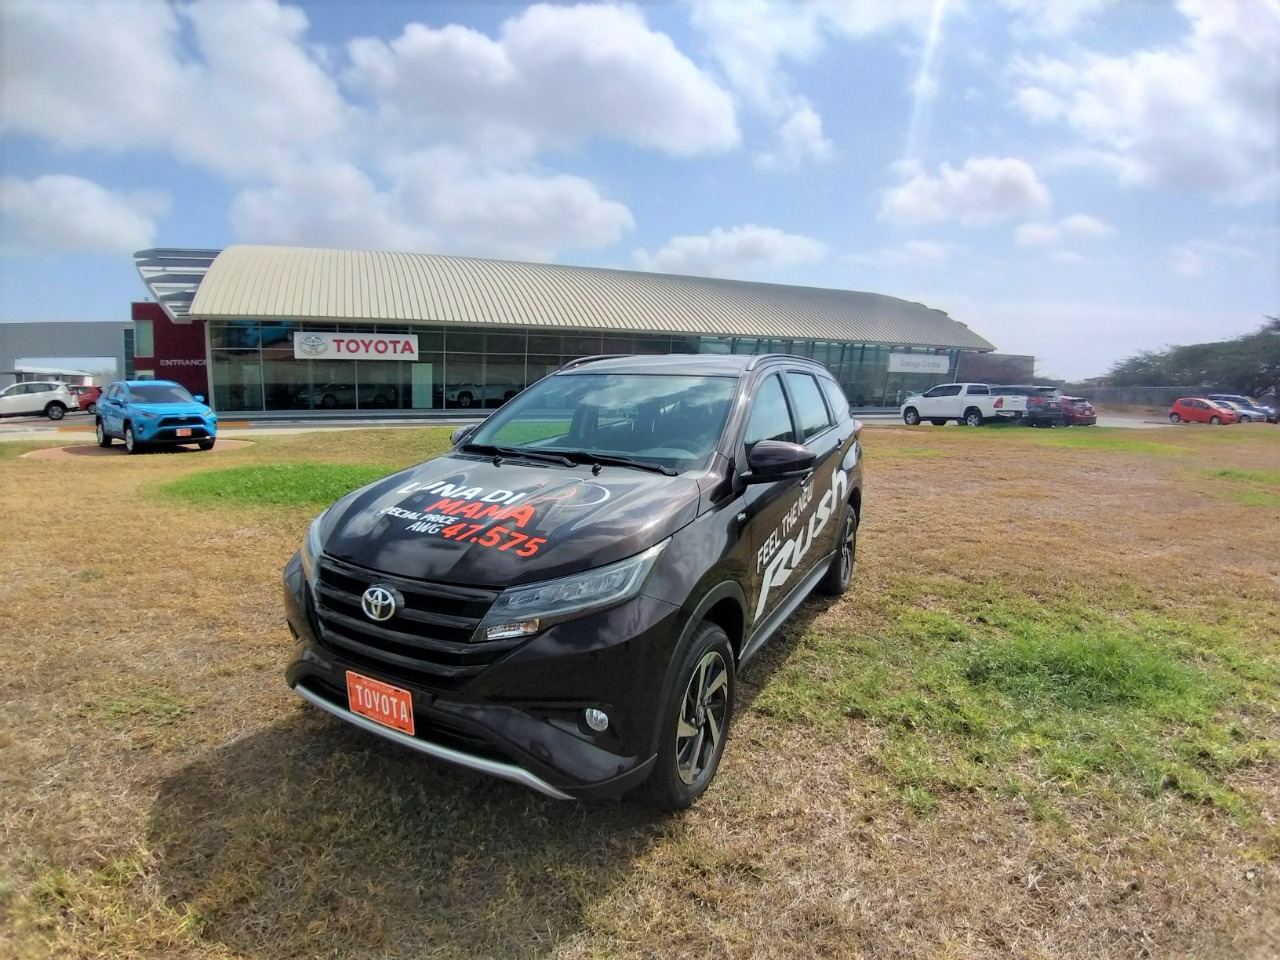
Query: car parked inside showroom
x=152 y=413
x=1247 y=408
x=565 y=598
x=1077 y=412
x=48 y=398
x=1200 y=410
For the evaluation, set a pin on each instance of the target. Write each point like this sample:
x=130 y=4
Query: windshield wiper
x=502 y=451
x=613 y=460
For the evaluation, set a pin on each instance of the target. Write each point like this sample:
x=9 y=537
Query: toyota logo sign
x=313 y=344
x=378 y=603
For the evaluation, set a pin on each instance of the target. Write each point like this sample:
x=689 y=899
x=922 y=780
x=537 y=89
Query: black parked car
x=565 y=598
x=1044 y=404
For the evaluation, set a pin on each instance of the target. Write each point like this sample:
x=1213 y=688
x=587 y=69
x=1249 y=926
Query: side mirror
x=460 y=435
x=199 y=398
x=778 y=460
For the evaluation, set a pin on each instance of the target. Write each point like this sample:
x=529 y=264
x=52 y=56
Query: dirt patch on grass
x=1043 y=724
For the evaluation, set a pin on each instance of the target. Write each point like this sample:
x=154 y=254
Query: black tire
x=206 y=444
x=1174 y=418
x=380 y=400
x=674 y=785
x=91 y=409
x=131 y=444
x=104 y=438
x=938 y=421
x=911 y=416
x=1244 y=418
x=465 y=399
x=973 y=417
x=328 y=401
x=1216 y=421
x=845 y=562
x=55 y=410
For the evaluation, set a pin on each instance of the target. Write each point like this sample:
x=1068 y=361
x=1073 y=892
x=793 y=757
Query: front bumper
x=158 y=431
x=520 y=719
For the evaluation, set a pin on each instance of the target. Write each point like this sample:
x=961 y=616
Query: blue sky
x=1077 y=179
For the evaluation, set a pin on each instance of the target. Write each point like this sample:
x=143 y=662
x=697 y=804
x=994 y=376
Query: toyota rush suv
x=565 y=598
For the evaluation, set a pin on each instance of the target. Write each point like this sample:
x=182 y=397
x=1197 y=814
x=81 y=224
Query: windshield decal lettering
x=779 y=557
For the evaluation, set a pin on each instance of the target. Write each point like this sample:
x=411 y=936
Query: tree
x=1249 y=364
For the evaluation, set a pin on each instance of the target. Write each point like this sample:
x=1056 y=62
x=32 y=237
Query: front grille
x=181 y=421
x=429 y=637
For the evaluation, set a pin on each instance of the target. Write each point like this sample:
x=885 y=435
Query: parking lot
x=1045 y=722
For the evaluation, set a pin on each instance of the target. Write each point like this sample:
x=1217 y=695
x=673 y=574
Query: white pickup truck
x=975 y=403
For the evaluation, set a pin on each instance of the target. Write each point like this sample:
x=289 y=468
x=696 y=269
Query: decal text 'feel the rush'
x=780 y=558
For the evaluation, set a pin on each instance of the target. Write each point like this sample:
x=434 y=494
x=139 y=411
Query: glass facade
x=252 y=366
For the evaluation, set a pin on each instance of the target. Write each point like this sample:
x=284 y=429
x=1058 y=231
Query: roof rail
x=579 y=361
x=759 y=358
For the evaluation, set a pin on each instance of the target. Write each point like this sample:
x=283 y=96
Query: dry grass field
x=1045 y=723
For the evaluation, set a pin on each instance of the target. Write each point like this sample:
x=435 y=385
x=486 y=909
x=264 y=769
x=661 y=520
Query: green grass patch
x=279 y=484
x=1269 y=478
x=142 y=704
x=995 y=692
x=1254 y=498
x=1115 y=440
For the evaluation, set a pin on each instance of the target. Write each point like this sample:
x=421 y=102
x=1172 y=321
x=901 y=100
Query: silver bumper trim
x=493 y=768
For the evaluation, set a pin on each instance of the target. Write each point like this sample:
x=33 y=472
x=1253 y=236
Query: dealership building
x=259 y=329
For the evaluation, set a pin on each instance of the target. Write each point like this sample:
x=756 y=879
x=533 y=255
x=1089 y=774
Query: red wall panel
x=179 y=349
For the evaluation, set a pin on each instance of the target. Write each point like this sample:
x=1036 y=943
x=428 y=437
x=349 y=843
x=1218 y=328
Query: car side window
x=978 y=389
x=811 y=409
x=836 y=399
x=770 y=419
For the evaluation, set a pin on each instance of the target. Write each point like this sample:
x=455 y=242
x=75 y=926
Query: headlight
x=311 y=550
x=148 y=414
x=522 y=611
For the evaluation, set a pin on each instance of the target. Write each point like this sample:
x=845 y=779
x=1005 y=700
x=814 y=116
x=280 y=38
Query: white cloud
x=799 y=140
x=437 y=201
x=1036 y=235
x=1199 y=114
x=1053 y=16
x=1247 y=246
x=752 y=39
x=1084 y=225
x=243 y=98
x=436 y=139
x=741 y=251
x=985 y=189
x=554 y=76
x=63 y=214
x=904 y=254
x=1046 y=234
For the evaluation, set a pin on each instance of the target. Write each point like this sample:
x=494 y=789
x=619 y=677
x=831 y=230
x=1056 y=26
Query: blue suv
x=146 y=413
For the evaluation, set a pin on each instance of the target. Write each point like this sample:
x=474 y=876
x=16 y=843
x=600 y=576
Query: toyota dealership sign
x=355 y=346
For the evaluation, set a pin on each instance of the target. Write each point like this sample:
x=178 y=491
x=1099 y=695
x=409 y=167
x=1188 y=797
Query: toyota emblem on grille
x=378 y=603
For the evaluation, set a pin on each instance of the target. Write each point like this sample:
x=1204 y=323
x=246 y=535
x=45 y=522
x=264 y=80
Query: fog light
x=597 y=720
x=504 y=631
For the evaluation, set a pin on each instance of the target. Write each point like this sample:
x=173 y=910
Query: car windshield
x=670 y=420
x=159 y=393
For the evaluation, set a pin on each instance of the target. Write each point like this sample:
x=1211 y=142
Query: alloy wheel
x=702 y=716
x=848 y=548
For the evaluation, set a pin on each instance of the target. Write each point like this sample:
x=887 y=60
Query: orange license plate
x=380 y=702
x=184 y=431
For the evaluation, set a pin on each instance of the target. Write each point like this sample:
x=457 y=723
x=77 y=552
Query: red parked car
x=1199 y=410
x=86 y=397
x=1078 y=412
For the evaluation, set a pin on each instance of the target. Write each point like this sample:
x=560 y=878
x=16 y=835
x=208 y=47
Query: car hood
x=419 y=523
x=173 y=409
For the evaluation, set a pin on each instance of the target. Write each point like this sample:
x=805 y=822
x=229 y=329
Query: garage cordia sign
x=919 y=363
x=355 y=346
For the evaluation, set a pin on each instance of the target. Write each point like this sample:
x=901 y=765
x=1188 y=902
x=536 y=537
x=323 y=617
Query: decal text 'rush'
x=780 y=557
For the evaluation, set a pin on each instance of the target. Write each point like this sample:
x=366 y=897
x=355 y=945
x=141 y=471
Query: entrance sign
x=355 y=346
x=919 y=363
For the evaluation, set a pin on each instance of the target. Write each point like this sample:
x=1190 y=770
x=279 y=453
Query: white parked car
x=972 y=404
x=46 y=397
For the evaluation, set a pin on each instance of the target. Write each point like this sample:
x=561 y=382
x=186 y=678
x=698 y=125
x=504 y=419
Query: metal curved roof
x=298 y=283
